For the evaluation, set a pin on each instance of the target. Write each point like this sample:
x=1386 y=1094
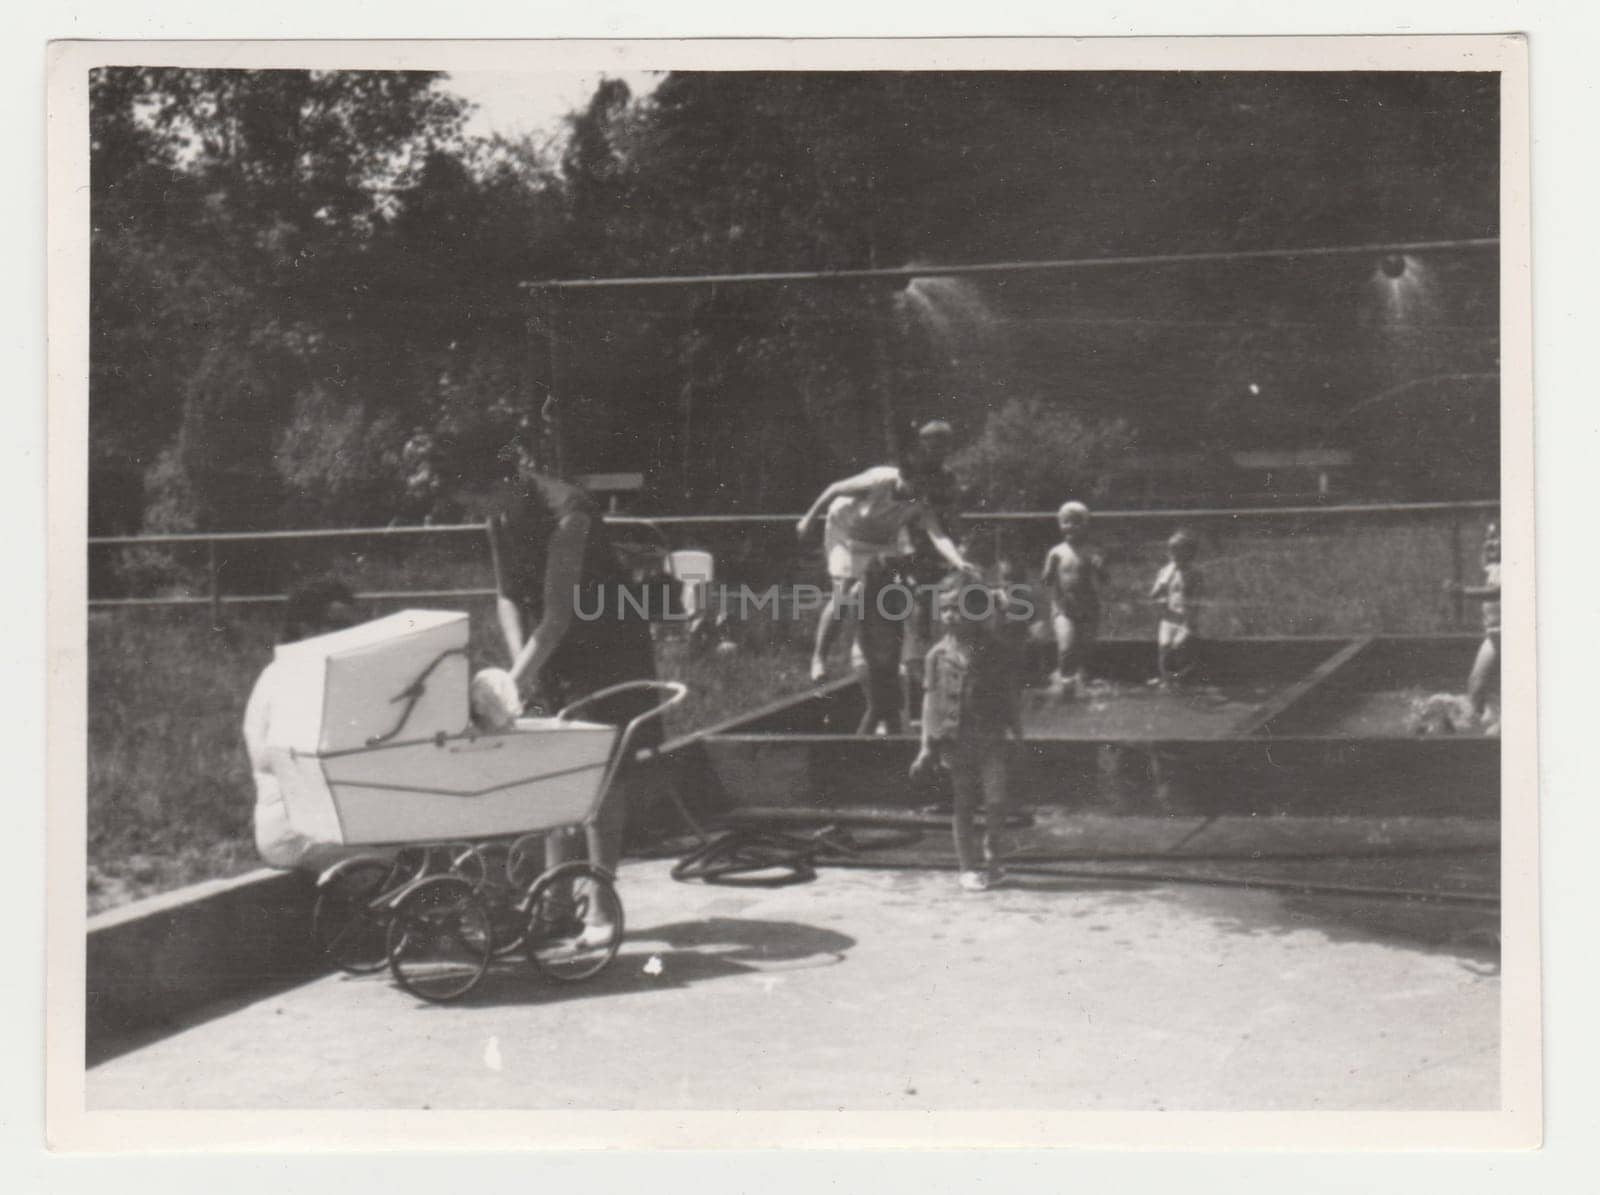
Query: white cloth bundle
x=496 y=705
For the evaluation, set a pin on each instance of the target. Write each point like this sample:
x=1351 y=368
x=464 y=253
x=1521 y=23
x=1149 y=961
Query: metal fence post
x=1457 y=601
x=214 y=584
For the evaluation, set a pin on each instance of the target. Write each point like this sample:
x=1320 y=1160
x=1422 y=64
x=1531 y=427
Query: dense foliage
x=297 y=274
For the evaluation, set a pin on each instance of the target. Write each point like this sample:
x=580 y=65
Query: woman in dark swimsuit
x=566 y=623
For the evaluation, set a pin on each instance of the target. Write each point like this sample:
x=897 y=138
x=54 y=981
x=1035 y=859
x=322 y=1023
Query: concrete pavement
x=894 y=990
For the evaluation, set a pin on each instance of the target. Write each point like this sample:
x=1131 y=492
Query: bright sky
x=516 y=103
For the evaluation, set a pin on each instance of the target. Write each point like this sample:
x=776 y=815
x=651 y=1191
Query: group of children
x=972 y=680
x=972 y=677
x=1073 y=579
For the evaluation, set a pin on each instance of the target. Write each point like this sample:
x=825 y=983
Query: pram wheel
x=486 y=867
x=440 y=939
x=575 y=924
x=345 y=925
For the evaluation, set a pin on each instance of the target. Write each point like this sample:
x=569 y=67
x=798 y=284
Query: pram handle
x=675 y=693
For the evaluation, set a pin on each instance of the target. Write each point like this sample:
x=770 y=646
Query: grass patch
x=1354 y=580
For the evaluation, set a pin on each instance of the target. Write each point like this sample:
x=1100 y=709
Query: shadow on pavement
x=1467 y=933
x=1422 y=884
x=673 y=955
x=1259 y=897
x=104 y=1049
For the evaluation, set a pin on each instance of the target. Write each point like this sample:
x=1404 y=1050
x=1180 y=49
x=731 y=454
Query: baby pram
x=376 y=748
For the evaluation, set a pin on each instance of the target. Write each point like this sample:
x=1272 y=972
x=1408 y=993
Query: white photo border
x=70 y=1126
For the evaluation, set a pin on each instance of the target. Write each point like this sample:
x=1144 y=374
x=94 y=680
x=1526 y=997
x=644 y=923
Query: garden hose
x=755 y=852
x=755 y=857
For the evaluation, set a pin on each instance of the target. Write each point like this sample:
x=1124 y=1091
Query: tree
x=229 y=208
x=721 y=173
x=1033 y=455
x=293 y=270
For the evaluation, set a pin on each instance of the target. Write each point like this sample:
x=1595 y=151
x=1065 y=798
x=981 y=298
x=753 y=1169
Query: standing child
x=970 y=704
x=1177 y=593
x=1073 y=576
x=1485 y=676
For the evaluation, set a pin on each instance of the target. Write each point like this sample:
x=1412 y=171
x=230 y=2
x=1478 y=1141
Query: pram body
x=375 y=745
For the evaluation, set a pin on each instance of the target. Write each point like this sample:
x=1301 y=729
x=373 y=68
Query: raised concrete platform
x=894 y=990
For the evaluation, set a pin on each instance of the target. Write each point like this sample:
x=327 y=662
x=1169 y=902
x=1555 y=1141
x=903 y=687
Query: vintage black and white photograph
x=624 y=584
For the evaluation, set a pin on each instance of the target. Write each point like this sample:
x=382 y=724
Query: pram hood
x=400 y=678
